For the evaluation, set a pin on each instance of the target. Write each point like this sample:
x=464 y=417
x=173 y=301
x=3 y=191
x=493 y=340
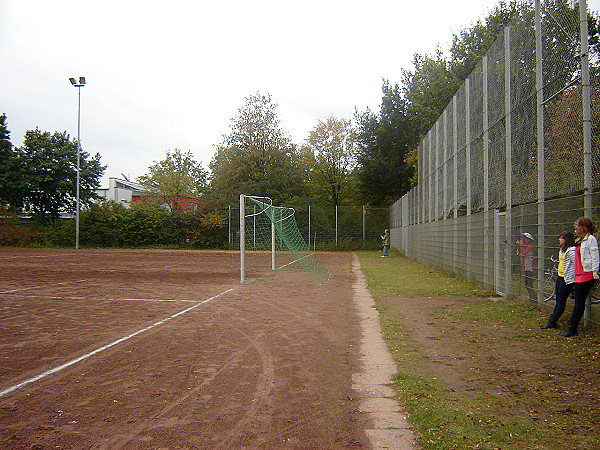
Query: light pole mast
x=78 y=84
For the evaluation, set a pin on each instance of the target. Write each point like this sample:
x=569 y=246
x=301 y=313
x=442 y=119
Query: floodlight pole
x=78 y=84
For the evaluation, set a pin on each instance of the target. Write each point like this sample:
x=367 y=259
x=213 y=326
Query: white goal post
x=267 y=228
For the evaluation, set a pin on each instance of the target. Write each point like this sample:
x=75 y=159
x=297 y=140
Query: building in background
x=122 y=191
x=126 y=192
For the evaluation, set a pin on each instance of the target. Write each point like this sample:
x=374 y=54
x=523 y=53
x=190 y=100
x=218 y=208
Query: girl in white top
x=587 y=260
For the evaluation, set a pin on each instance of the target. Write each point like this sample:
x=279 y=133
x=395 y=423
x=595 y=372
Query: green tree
x=564 y=139
x=257 y=157
x=8 y=179
x=434 y=79
x=384 y=141
x=47 y=165
x=331 y=144
x=178 y=175
x=470 y=44
x=428 y=89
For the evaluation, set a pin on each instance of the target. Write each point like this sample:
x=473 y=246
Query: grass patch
x=398 y=275
x=444 y=423
x=500 y=311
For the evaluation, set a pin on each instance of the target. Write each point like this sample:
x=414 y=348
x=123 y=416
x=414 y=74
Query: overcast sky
x=172 y=74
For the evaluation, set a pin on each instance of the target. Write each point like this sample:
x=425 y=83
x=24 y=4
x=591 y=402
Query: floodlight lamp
x=82 y=80
x=73 y=81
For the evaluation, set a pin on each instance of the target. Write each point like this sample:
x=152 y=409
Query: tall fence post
x=587 y=110
x=431 y=178
x=455 y=186
x=487 y=222
x=309 y=227
x=541 y=191
x=229 y=225
x=468 y=177
x=445 y=165
x=587 y=127
x=420 y=186
x=508 y=249
x=439 y=170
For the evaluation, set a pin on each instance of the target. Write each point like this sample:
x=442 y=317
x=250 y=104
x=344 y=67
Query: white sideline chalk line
x=40 y=287
x=107 y=346
x=109 y=299
x=53 y=255
x=35 y=256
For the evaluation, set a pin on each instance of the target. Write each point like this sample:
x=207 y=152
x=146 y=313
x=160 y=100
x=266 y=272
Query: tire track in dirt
x=255 y=425
x=263 y=401
x=263 y=386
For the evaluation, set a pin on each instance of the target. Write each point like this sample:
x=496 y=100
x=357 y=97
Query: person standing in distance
x=385 y=243
x=587 y=260
x=525 y=251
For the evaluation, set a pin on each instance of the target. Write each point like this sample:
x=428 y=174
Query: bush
x=101 y=225
x=149 y=224
x=13 y=233
x=208 y=230
x=57 y=233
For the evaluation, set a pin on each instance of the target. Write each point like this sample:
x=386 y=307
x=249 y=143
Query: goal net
x=270 y=237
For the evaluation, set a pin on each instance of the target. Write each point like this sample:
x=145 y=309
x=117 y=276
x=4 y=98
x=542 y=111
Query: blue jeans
x=561 y=292
x=386 y=249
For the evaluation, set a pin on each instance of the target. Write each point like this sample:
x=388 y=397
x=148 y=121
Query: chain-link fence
x=516 y=150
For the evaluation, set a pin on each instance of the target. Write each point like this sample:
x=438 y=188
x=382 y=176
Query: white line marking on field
x=105 y=347
x=38 y=256
x=40 y=287
x=107 y=299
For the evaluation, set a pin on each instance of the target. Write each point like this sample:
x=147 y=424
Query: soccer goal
x=269 y=235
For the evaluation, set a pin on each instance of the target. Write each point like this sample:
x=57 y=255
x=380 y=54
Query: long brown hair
x=569 y=240
x=587 y=225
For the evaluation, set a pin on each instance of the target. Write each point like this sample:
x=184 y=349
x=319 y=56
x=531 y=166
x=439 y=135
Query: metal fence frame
x=488 y=167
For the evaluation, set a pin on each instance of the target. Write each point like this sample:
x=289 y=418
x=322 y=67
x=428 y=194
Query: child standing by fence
x=525 y=252
x=565 y=278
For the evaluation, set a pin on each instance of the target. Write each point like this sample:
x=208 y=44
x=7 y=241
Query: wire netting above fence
x=516 y=150
x=514 y=132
